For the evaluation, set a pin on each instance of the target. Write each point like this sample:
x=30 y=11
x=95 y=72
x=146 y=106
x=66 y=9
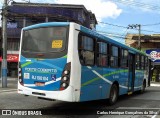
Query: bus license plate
x=39 y=83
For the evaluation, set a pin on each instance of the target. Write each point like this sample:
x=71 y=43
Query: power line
x=151 y=24
x=127 y=27
x=139 y=4
x=125 y=32
x=150 y=31
x=112 y=24
x=112 y=33
x=114 y=36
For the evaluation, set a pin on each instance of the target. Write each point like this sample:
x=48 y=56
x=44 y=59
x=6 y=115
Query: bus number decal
x=115 y=77
x=57 y=43
x=40 y=78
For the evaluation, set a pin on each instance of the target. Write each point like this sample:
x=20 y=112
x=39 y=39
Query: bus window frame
x=138 y=62
x=117 y=66
x=146 y=62
x=98 y=53
x=81 y=49
x=122 y=57
x=142 y=62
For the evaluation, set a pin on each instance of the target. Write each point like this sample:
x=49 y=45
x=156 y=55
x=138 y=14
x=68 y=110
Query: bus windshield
x=44 y=40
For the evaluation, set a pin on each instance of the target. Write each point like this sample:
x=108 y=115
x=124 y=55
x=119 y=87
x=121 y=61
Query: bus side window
x=102 y=54
x=142 y=62
x=146 y=62
x=137 y=61
x=114 y=56
x=124 y=58
x=86 y=50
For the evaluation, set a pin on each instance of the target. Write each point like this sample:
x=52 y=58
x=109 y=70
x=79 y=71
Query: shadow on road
x=86 y=108
x=91 y=107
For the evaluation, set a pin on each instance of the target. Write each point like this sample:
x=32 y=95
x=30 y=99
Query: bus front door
x=131 y=78
x=150 y=71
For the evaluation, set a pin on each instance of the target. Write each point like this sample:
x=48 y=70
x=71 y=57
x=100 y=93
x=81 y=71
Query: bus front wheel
x=113 y=94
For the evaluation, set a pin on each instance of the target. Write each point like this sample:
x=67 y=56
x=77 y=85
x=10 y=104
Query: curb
x=152 y=84
x=10 y=90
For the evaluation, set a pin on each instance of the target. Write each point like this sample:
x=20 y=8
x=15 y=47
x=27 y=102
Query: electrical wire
x=112 y=24
x=151 y=24
x=127 y=27
x=109 y=34
x=138 y=4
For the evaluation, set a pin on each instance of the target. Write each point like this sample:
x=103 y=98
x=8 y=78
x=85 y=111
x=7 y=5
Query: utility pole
x=4 y=45
x=139 y=37
x=139 y=31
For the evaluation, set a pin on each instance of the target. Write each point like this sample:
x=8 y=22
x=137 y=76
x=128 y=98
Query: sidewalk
x=157 y=84
x=11 y=85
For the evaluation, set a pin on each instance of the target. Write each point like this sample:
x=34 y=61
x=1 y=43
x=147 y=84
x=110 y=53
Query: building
x=147 y=41
x=25 y=14
x=149 y=44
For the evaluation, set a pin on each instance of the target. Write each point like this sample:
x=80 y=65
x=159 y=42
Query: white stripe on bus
x=108 y=81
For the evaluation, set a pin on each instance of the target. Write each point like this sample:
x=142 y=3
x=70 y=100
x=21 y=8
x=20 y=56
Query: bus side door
x=131 y=78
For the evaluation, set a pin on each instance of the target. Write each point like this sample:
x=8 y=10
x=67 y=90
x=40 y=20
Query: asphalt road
x=149 y=101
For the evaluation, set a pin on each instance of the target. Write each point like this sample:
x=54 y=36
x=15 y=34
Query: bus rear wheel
x=113 y=94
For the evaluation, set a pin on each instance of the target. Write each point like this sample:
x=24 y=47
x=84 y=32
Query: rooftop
x=49 y=5
x=144 y=38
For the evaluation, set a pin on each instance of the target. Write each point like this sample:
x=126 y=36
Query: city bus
x=68 y=62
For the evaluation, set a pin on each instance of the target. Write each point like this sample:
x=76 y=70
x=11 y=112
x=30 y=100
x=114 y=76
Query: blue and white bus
x=68 y=62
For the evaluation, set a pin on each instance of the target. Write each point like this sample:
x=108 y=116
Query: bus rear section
x=44 y=70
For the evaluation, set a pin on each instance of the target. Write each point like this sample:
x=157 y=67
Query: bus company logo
x=155 y=55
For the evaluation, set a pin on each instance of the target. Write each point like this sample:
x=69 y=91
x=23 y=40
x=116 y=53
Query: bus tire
x=113 y=96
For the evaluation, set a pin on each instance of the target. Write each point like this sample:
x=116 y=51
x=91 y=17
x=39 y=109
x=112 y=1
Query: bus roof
x=47 y=24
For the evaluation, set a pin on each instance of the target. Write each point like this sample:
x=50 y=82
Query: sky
x=114 y=16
